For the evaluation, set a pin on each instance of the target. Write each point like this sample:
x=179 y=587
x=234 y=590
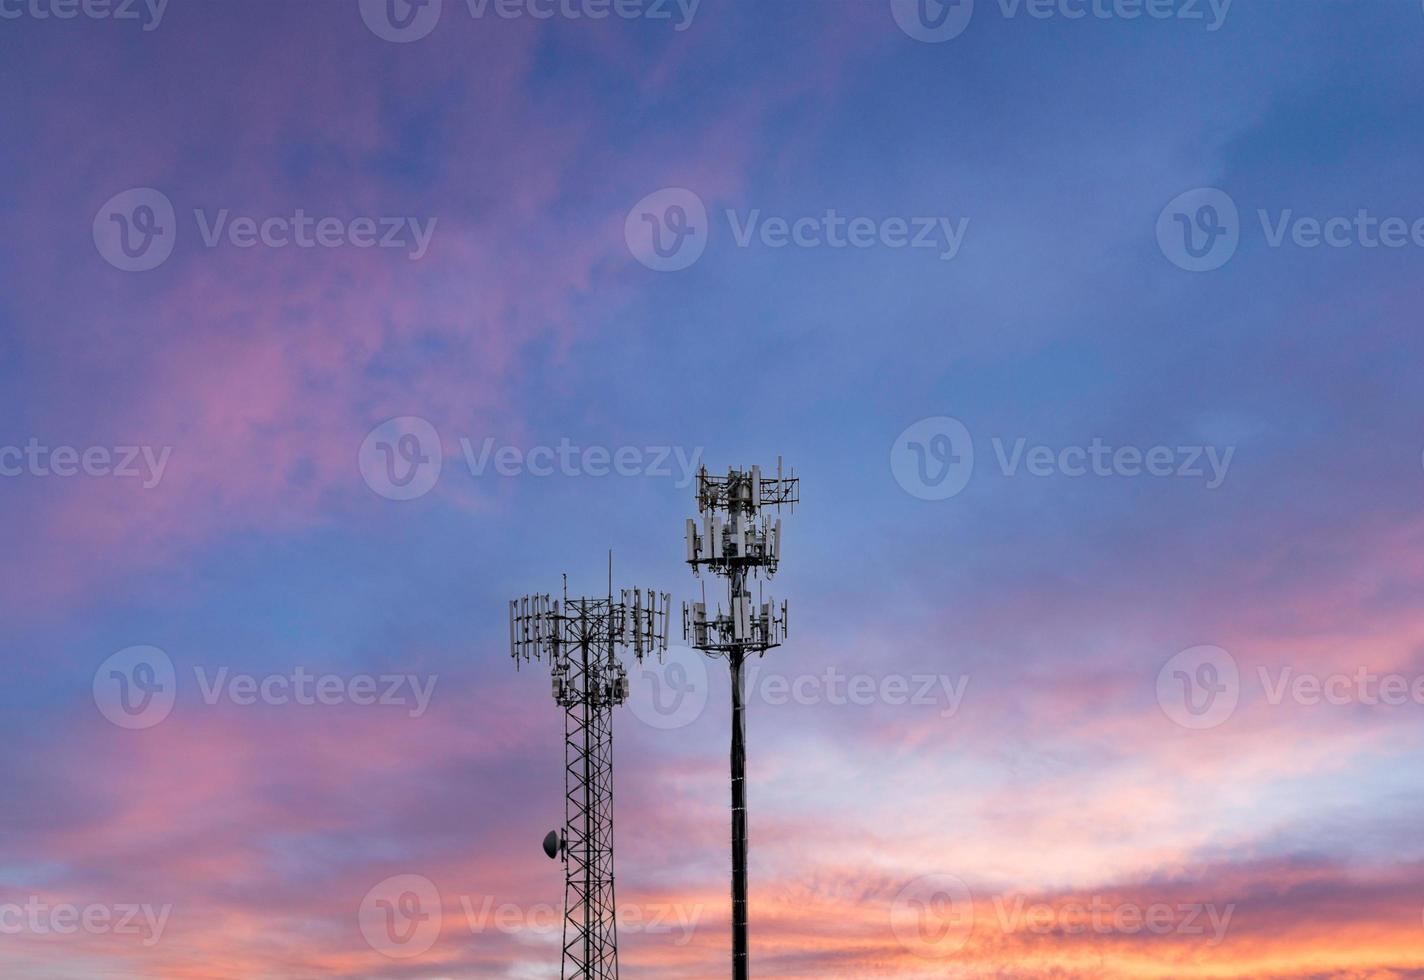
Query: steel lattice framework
x=738 y=540
x=580 y=637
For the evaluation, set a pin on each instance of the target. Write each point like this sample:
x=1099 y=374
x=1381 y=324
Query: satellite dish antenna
x=552 y=844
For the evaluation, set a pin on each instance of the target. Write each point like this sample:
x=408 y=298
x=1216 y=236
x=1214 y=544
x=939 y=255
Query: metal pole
x=590 y=824
x=739 y=823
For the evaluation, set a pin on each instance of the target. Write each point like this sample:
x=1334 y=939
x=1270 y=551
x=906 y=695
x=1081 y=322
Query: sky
x=327 y=328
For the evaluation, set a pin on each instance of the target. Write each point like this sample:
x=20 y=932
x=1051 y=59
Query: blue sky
x=1065 y=608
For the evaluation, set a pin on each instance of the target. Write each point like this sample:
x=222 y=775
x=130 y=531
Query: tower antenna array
x=579 y=638
x=738 y=540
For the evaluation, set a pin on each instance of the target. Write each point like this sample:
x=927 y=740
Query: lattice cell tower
x=579 y=637
x=738 y=540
